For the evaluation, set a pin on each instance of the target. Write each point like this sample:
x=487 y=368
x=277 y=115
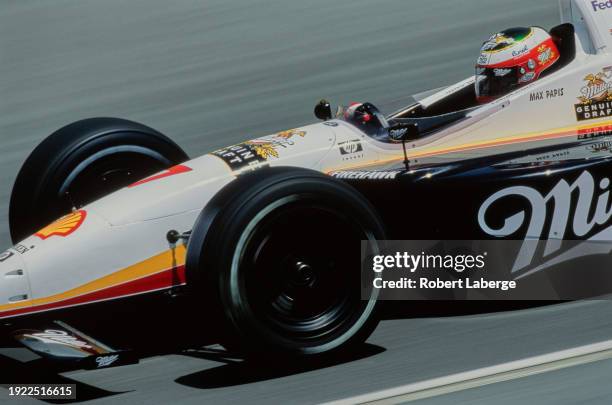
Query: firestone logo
x=601 y=5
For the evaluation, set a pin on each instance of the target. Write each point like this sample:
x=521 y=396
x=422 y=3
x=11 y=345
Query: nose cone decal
x=170 y=172
x=63 y=226
x=258 y=151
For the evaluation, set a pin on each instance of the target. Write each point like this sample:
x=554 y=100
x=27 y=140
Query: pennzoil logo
x=63 y=226
x=596 y=96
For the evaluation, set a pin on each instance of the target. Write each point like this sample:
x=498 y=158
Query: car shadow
x=239 y=372
x=232 y=371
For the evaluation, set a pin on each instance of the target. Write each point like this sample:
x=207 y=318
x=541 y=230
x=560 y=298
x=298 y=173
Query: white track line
x=487 y=375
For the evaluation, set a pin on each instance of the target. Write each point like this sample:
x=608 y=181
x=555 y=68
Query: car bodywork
x=550 y=136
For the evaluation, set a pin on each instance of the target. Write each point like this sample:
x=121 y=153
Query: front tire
x=82 y=162
x=279 y=252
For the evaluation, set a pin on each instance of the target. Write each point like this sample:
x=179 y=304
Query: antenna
x=406 y=163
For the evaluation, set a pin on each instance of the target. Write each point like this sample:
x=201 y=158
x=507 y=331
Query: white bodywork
x=121 y=249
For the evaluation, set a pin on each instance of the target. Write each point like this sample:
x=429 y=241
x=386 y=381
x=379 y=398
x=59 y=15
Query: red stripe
x=158 y=281
x=170 y=172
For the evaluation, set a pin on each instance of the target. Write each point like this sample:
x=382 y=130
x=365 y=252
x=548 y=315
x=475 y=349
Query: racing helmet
x=513 y=58
x=359 y=112
x=366 y=117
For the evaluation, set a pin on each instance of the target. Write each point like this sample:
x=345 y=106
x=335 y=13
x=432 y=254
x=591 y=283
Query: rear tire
x=278 y=250
x=82 y=162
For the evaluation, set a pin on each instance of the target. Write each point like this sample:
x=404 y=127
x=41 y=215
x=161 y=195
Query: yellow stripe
x=163 y=261
x=526 y=137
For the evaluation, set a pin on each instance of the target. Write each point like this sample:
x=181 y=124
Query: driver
x=511 y=59
x=366 y=117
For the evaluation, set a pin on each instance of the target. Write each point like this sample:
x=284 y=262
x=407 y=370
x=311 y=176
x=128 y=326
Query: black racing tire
x=82 y=162
x=277 y=253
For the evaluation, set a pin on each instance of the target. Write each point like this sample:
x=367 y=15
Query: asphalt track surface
x=214 y=73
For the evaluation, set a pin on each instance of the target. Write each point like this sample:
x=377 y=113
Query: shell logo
x=63 y=226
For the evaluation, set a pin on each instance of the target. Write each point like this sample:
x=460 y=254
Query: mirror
x=323 y=110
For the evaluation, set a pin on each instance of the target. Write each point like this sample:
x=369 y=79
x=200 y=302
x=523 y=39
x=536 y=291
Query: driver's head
x=358 y=112
x=513 y=58
x=366 y=117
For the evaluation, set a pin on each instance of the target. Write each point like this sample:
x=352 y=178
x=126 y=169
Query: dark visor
x=496 y=82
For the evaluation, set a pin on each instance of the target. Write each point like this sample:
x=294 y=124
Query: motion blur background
x=212 y=73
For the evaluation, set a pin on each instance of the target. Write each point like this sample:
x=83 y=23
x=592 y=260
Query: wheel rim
x=300 y=282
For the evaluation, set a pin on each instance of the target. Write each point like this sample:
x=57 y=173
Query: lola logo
x=560 y=218
x=63 y=226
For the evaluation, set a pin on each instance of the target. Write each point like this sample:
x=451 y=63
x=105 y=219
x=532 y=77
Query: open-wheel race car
x=265 y=234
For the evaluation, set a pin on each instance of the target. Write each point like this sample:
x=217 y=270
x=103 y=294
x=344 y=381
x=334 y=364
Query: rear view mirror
x=323 y=110
x=404 y=131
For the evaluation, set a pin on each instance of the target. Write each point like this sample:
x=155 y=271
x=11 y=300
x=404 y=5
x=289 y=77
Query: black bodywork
x=444 y=201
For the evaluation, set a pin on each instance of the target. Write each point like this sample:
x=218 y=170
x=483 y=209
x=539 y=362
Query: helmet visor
x=495 y=82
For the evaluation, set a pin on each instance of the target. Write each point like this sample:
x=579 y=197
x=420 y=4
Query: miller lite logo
x=58 y=337
x=596 y=96
x=590 y=210
x=105 y=361
x=63 y=226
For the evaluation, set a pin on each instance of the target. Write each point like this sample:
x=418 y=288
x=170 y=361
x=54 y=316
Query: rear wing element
x=592 y=20
x=63 y=344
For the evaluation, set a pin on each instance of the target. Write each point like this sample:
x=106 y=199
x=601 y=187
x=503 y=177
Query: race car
x=263 y=236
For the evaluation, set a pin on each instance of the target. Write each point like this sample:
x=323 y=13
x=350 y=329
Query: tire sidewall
x=235 y=223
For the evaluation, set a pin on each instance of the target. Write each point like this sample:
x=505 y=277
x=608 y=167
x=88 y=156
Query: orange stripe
x=163 y=261
x=498 y=142
x=528 y=137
